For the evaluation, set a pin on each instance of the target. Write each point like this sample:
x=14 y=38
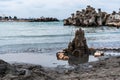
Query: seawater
x=18 y=39
x=33 y=36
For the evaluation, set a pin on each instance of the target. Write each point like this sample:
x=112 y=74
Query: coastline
x=103 y=69
x=59 y=40
x=15 y=19
x=19 y=71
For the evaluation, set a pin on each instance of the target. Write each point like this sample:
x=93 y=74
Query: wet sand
x=105 y=69
x=46 y=60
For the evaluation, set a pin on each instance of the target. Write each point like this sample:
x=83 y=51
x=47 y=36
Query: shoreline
x=103 y=69
x=15 y=19
x=27 y=21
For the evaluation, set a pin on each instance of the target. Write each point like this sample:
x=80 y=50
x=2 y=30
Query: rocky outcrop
x=4 y=68
x=62 y=56
x=22 y=72
x=105 y=69
x=77 y=51
x=91 y=17
x=78 y=47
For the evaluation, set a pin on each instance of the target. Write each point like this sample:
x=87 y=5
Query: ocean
x=38 y=42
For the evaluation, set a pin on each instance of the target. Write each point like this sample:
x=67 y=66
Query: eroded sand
x=107 y=69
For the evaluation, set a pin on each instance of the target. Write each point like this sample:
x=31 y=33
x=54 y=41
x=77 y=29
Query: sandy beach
x=80 y=65
x=106 y=69
x=59 y=39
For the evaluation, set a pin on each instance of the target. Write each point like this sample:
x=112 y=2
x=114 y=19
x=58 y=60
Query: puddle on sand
x=32 y=58
x=45 y=60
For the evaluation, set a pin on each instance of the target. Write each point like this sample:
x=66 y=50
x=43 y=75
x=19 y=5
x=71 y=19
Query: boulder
x=62 y=56
x=4 y=68
x=98 y=54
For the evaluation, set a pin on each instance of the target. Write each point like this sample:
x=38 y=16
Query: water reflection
x=78 y=60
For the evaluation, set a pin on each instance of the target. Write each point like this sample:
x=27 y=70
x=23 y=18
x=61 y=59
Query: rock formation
x=113 y=19
x=22 y=72
x=5 y=68
x=77 y=51
x=78 y=47
x=91 y=17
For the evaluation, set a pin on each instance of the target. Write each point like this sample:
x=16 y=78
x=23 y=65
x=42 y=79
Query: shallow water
x=44 y=39
x=46 y=60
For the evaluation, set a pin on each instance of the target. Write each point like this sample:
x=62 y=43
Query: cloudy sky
x=52 y=8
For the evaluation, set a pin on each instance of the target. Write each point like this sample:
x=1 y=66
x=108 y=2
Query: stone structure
x=91 y=17
x=78 y=47
x=4 y=68
x=77 y=51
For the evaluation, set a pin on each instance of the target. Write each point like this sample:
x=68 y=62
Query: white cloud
x=53 y=8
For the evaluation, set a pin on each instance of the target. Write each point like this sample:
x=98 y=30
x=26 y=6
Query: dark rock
x=78 y=47
x=4 y=68
x=77 y=51
x=21 y=72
